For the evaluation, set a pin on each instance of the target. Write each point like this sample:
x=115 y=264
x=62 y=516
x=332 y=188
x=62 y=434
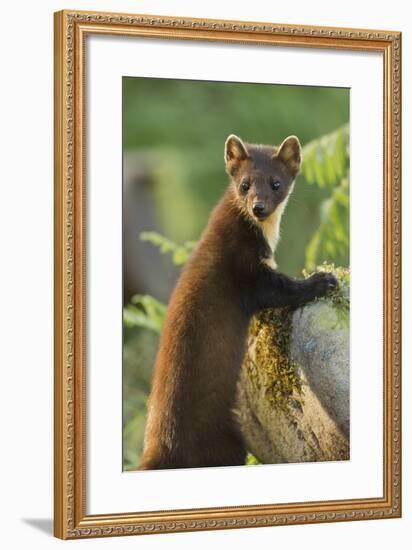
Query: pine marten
x=230 y=277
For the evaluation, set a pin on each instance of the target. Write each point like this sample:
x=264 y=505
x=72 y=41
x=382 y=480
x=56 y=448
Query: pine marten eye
x=245 y=185
x=274 y=184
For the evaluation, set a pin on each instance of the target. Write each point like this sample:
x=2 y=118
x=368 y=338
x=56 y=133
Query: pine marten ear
x=290 y=153
x=235 y=152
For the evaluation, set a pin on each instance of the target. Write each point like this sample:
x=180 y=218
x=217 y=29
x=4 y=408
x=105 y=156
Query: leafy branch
x=180 y=252
x=326 y=164
x=144 y=311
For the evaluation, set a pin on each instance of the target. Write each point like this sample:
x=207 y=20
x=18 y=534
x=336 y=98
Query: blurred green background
x=173 y=138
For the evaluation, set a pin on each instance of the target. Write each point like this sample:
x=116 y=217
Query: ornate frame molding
x=71 y=520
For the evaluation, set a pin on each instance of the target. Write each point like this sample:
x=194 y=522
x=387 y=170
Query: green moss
x=272 y=368
x=277 y=373
x=340 y=296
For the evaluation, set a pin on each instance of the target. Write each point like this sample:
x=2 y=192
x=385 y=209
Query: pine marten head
x=262 y=175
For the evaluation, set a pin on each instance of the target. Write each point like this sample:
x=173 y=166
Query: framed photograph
x=227 y=274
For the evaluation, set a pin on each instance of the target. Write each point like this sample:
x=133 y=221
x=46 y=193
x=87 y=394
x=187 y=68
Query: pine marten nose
x=258 y=208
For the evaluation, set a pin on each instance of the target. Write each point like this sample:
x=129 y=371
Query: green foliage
x=144 y=311
x=139 y=351
x=326 y=164
x=180 y=252
x=326 y=160
x=251 y=460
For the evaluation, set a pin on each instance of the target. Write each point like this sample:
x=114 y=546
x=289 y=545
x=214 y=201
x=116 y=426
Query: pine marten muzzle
x=231 y=276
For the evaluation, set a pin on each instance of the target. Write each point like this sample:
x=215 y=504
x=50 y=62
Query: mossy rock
x=294 y=385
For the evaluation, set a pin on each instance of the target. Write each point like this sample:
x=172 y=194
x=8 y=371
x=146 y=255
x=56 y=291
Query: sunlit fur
x=271 y=230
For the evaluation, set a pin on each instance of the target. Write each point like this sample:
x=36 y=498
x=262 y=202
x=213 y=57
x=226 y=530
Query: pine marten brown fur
x=230 y=277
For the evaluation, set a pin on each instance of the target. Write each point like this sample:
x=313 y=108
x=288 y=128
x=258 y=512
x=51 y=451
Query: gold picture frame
x=71 y=520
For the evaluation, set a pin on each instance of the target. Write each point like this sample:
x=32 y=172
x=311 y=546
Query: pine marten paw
x=321 y=283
